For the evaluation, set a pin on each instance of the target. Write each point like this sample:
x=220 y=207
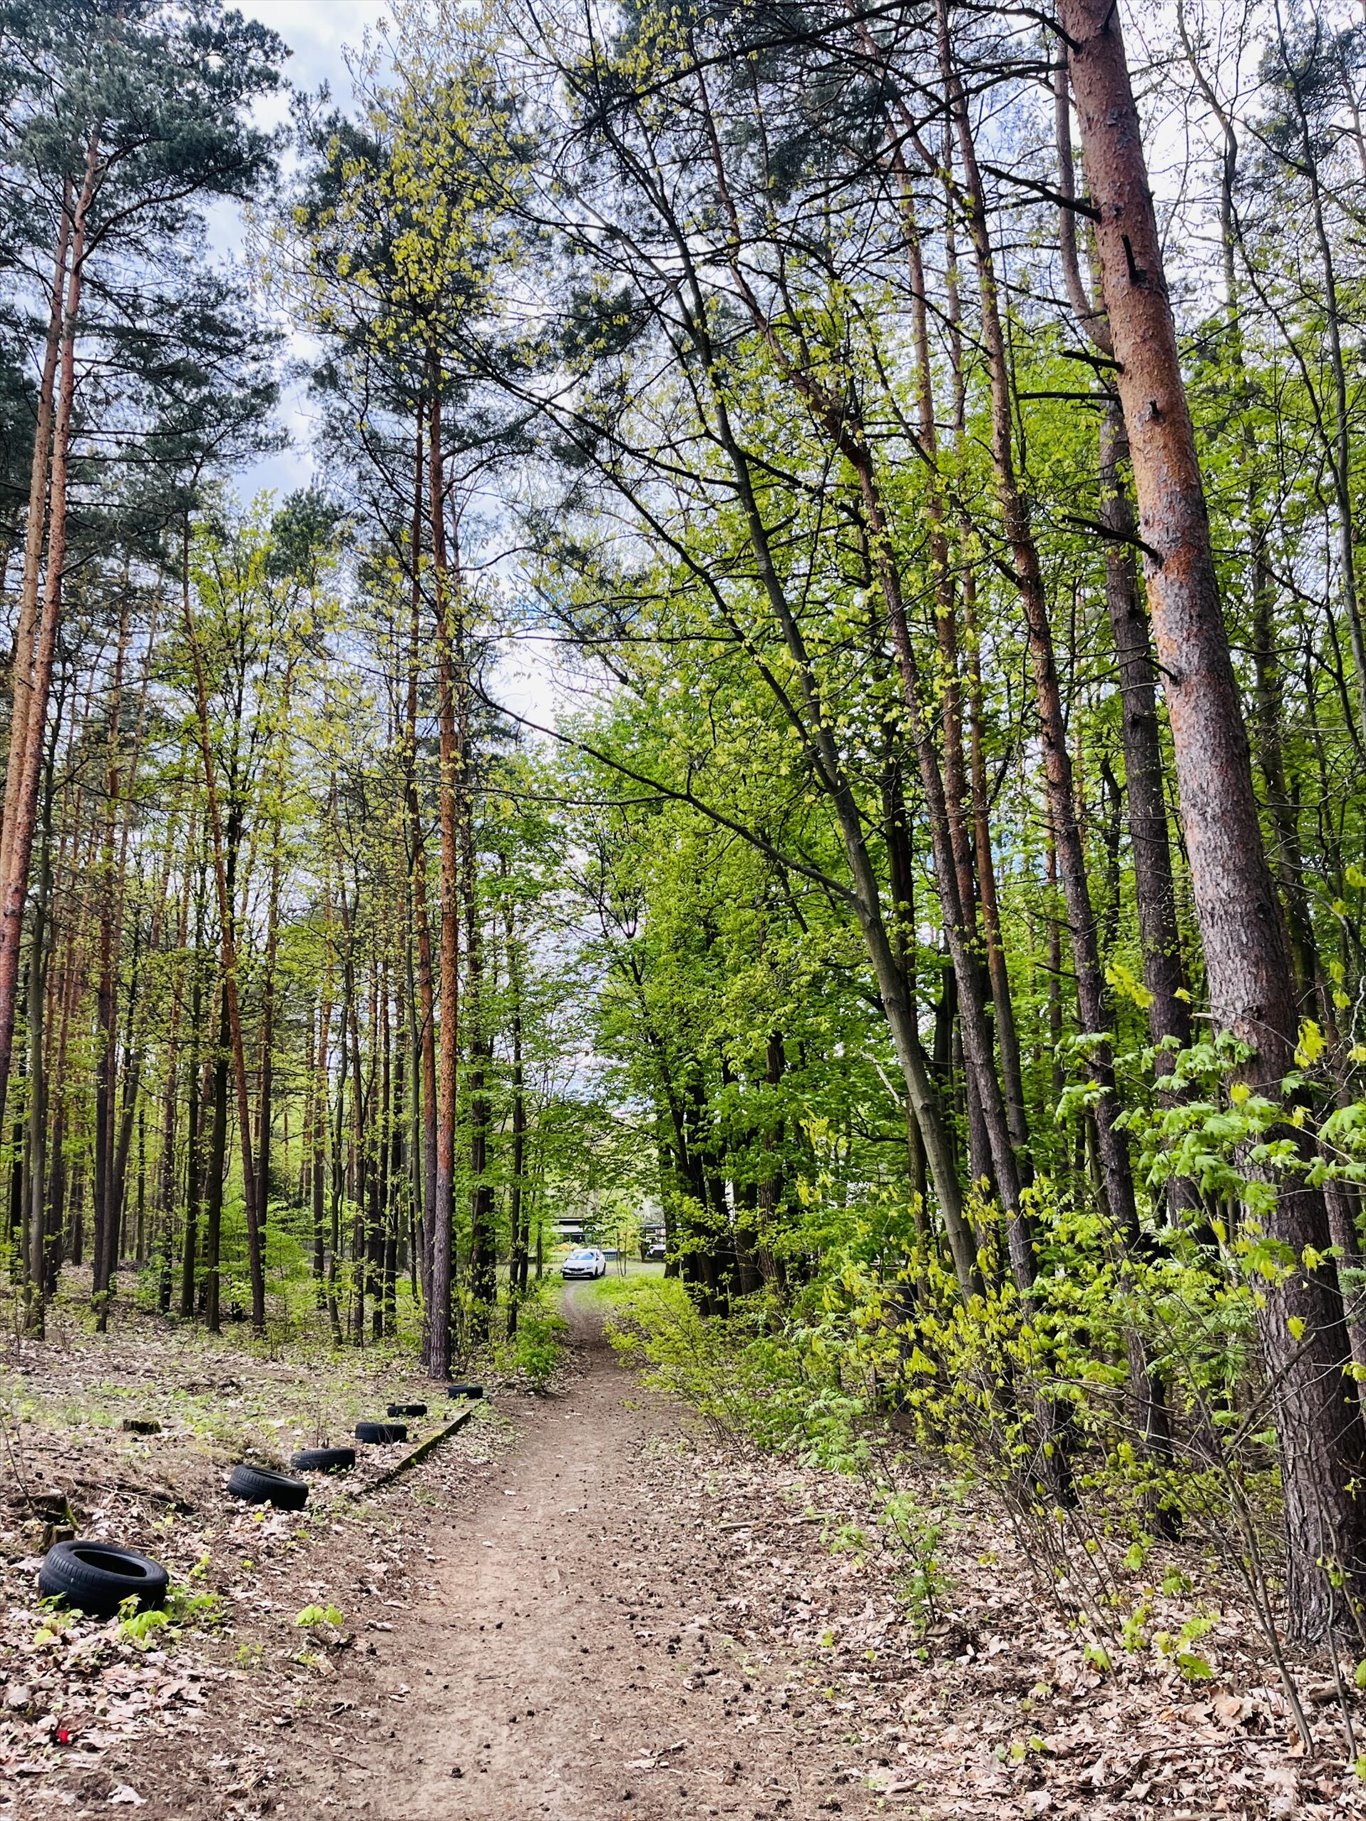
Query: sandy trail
x=550 y=1670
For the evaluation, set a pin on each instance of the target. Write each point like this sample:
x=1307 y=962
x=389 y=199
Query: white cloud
x=318 y=32
x=532 y=676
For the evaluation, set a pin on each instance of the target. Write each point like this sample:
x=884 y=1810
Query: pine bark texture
x=1321 y=1439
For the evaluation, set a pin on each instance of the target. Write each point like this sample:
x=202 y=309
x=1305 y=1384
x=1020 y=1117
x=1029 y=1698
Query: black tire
x=323 y=1460
x=376 y=1433
x=407 y=1410
x=464 y=1390
x=260 y=1486
x=98 y=1577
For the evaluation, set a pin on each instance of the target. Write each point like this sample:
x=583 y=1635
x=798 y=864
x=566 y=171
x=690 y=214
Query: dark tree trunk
x=169 y=1105
x=483 y=1236
x=424 y=1008
x=106 y=1000
x=318 y=1142
x=217 y=1168
x=224 y=843
x=195 y=1099
x=265 y=1092
x=36 y=1282
x=518 y=1263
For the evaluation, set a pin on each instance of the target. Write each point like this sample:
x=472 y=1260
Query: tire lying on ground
x=407 y=1410
x=98 y=1577
x=381 y=1432
x=464 y=1390
x=261 y=1486
x=323 y=1460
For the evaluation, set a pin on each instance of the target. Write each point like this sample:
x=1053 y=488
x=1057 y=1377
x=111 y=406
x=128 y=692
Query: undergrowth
x=887 y=1377
x=536 y=1350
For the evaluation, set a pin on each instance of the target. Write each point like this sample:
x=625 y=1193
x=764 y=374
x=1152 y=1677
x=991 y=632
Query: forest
x=817 y=685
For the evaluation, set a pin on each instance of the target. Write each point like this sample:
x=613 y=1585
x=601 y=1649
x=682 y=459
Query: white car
x=584 y=1261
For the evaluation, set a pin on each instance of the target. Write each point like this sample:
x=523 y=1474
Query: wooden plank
x=419 y=1453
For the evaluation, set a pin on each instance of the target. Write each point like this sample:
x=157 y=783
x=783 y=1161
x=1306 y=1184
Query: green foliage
x=158 y=1627
x=314 y=1615
x=747 y=1375
x=142 y=1628
x=917 y=1535
x=538 y=1346
x=1192 y=1666
x=704 y=956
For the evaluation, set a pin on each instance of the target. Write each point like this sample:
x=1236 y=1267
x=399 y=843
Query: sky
x=318 y=32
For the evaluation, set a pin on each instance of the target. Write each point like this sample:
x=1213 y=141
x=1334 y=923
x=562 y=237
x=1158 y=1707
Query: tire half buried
x=376 y=1434
x=323 y=1460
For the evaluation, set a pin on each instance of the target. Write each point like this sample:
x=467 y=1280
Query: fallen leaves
x=994 y=1712
x=83 y=1712
x=735 y=1602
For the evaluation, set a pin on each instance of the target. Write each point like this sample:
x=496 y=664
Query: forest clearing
x=727 y=634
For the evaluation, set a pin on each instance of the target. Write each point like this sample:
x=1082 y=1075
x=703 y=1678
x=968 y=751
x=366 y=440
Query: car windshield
x=582 y=1257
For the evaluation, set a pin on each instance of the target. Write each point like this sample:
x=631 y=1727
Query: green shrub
x=537 y=1348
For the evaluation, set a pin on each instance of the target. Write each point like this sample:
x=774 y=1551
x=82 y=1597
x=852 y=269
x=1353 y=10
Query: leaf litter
x=759 y=1584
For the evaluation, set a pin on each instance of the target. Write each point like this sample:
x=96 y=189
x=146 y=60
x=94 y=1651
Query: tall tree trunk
x=1321 y=1438
x=217 y=1168
x=28 y=734
x=318 y=1139
x=133 y=1048
x=170 y=1099
x=107 y=994
x=68 y=993
x=424 y=1007
x=26 y=629
x=397 y=1187
x=483 y=1234
x=358 y=1170
x=195 y=1098
x=518 y=1262
x=450 y=786
x=1007 y=1035
x=265 y=1090
x=36 y=1283
x=379 y=1168
x=338 y=1186
x=132 y=1082
x=224 y=850
x=483 y=1237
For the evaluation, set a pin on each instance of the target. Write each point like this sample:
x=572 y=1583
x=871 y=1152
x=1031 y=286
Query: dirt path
x=558 y=1666
x=585 y=1607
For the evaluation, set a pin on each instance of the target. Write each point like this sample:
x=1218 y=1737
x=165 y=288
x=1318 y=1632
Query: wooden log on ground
x=415 y=1455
